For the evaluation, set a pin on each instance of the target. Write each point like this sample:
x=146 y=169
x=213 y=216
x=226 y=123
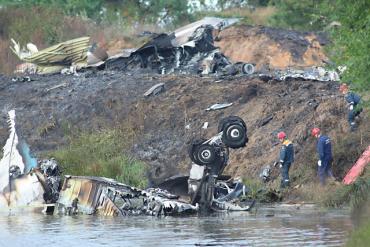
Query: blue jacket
x=324 y=148
x=352 y=98
x=287 y=152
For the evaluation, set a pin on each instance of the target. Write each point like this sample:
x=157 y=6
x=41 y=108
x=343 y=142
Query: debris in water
x=23 y=183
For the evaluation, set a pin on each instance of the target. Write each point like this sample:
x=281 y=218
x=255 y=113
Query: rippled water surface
x=274 y=226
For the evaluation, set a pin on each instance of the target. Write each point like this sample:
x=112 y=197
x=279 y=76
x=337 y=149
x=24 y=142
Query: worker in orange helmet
x=325 y=155
x=286 y=158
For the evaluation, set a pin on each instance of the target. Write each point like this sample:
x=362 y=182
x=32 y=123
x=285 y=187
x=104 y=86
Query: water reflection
x=284 y=228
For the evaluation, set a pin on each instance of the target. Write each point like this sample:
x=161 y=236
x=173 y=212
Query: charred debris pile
x=188 y=50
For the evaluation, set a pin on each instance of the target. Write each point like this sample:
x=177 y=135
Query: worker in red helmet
x=286 y=158
x=325 y=155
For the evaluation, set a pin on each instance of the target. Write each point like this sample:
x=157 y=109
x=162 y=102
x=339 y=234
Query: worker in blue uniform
x=325 y=155
x=354 y=104
x=286 y=158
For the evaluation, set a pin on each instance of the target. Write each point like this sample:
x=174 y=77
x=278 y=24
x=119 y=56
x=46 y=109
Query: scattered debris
x=187 y=50
x=265 y=120
x=156 y=89
x=312 y=73
x=72 y=70
x=23 y=184
x=218 y=106
x=52 y=173
x=265 y=174
x=57 y=86
x=21 y=79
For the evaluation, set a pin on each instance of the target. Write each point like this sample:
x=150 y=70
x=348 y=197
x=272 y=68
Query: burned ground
x=49 y=106
x=272 y=47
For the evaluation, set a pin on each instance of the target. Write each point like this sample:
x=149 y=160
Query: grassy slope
x=102 y=154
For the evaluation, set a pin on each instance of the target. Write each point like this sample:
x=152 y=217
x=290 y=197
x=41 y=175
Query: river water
x=267 y=226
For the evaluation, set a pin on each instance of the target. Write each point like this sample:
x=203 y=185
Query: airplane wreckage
x=187 y=50
x=38 y=186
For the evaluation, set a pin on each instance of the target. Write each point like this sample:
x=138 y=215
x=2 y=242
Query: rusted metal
x=93 y=194
x=108 y=208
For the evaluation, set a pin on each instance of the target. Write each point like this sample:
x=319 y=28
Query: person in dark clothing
x=354 y=104
x=325 y=155
x=286 y=158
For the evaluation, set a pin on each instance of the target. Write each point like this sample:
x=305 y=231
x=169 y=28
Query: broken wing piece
x=56 y=57
x=11 y=155
x=25 y=190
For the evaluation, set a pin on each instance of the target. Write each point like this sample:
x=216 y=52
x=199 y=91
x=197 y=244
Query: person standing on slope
x=286 y=158
x=325 y=154
x=354 y=105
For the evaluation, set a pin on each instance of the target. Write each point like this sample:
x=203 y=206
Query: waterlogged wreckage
x=21 y=182
x=103 y=196
x=26 y=184
x=203 y=190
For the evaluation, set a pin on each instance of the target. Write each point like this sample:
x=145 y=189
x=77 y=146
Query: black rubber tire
x=230 y=120
x=248 y=68
x=192 y=149
x=234 y=136
x=205 y=154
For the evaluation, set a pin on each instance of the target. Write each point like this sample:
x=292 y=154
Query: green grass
x=101 y=154
x=261 y=192
x=353 y=195
x=254 y=185
x=258 y=16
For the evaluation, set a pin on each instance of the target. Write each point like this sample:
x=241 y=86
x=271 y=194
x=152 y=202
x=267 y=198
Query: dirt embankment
x=272 y=47
x=96 y=100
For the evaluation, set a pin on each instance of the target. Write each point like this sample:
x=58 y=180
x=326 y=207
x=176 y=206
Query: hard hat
x=315 y=131
x=343 y=87
x=281 y=135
